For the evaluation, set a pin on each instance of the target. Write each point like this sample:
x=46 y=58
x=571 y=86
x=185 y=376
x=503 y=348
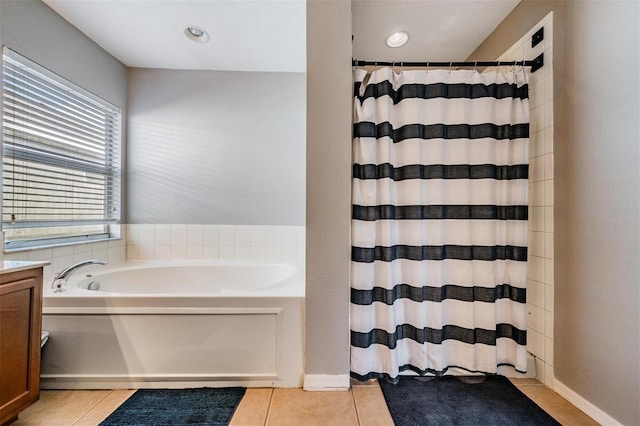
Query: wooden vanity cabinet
x=20 y=328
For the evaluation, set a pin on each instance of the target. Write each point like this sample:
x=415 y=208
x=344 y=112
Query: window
x=61 y=159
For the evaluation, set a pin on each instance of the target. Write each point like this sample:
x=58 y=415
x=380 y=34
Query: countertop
x=19 y=265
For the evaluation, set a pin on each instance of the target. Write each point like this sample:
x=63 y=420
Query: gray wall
x=32 y=29
x=329 y=89
x=597 y=201
x=213 y=147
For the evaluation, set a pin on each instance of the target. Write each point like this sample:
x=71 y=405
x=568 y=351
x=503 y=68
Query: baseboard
x=326 y=382
x=588 y=408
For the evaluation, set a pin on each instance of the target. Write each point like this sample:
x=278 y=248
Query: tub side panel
x=197 y=342
x=162 y=345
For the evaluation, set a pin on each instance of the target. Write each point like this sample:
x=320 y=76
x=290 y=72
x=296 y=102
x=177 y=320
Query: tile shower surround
x=540 y=281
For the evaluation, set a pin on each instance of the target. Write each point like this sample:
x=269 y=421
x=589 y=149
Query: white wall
x=213 y=147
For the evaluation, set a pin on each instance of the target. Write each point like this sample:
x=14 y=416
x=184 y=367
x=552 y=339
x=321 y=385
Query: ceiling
x=245 y=35
x=439 y=30
x=270 y=35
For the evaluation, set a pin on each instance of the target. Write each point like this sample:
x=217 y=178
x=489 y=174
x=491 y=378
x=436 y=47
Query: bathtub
x=175 y=324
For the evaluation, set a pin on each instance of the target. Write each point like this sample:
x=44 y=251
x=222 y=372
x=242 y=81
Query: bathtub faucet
x=60 y=280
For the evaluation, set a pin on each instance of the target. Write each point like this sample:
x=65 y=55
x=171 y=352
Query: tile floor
x=362 y=405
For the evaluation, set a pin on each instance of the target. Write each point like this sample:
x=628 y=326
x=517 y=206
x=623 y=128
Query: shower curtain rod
x=535 y=64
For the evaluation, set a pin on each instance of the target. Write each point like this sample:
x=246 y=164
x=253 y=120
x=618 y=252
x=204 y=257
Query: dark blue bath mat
x=449 y=401
x=202 y=406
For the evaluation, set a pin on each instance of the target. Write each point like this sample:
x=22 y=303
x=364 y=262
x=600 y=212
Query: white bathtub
x=175 y=324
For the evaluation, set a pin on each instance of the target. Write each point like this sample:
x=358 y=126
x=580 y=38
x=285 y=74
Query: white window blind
x=61 y=158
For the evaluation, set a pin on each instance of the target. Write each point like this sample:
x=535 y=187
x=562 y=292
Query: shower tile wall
x=540 y=276
x=224 y=242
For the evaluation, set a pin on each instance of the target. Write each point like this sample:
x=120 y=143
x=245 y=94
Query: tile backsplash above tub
x=161 y=242
x=113 y=251
x=224 y=242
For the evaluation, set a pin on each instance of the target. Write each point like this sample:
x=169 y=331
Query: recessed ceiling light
x=397 y=39
x=196 y=34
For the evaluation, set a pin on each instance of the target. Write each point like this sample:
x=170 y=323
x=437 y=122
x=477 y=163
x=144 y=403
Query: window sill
x=57 y=245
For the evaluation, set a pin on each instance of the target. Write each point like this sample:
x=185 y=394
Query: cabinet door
x=20 y=322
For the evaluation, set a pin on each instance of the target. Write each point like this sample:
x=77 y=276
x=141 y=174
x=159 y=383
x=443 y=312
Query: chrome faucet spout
x=61 y=278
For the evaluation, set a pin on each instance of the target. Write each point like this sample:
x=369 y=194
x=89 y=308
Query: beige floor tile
x=363 y=405
x=105 y=407
x=253 y=408
x=558 y=407
x=298 y=407
x=371 y=407
x=357 y=383
x=60 y=408
x=528 y=381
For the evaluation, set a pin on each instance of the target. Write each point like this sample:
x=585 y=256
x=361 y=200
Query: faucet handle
x=58 y=285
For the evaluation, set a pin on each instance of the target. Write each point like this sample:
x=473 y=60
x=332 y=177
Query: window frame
x=111 y=171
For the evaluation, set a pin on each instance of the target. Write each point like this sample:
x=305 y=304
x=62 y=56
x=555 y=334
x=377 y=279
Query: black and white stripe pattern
x=439 y=229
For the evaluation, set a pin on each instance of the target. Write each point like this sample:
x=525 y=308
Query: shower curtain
x=439 y=222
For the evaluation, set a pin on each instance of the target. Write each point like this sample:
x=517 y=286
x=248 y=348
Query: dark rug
x=201 y=406
x=449 y=401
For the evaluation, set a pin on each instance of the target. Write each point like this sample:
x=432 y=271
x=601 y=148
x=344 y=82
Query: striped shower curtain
x=439 y=227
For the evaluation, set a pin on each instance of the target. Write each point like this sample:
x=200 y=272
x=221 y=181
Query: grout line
x=266 y=417
x=355 y=406
x=92 y=407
